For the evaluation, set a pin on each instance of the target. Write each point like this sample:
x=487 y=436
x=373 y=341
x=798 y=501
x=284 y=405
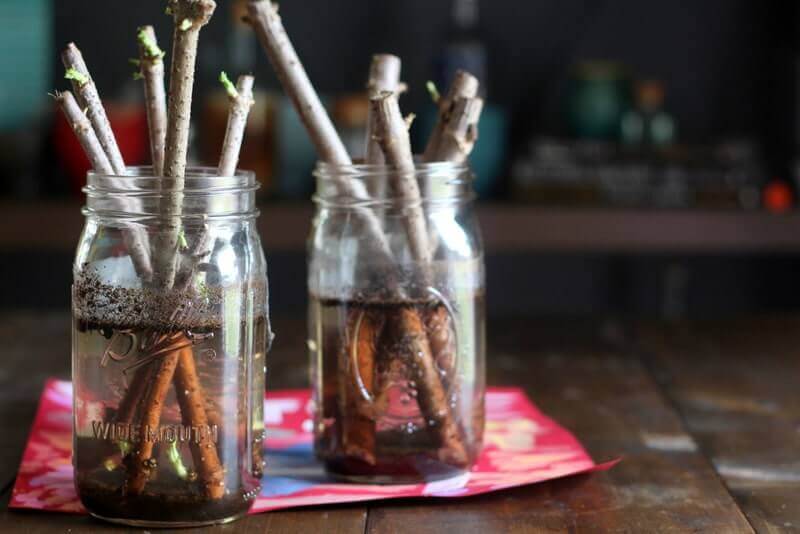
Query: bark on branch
x=83 y=131
x=464 y=85
x=263 y=16
x=151 y=65
x=384 y=76
x=460 y=131
x=190 y=16
x=134 y=238
x=241 y=101
x=84 y=87
x=268 y=26
x=392 y=135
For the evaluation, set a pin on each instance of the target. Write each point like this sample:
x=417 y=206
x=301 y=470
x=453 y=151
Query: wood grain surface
x=706 y=417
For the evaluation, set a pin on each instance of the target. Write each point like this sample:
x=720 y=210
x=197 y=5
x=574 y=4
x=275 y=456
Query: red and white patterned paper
x=522 y=446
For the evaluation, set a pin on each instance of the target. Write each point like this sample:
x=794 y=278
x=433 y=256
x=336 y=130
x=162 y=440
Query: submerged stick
x=192 y=401
x=83 y=131
x=357 y=358
x=141 y=464
x=406 y=326
x=151 y=67
x=82 y=83
x=241 y=101
x=464 y=85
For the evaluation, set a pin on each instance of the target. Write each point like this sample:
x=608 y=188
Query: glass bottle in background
x=350 y=116
x=465 y=48
x=597 y=97
x=648 y=125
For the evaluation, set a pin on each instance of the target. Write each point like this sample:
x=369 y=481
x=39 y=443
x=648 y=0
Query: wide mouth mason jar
x=168 y=349
x=396 y=343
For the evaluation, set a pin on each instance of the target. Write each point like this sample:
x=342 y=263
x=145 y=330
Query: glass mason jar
x=168 y=349
x=396 y=339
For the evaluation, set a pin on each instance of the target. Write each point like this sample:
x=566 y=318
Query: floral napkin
x=521 y=446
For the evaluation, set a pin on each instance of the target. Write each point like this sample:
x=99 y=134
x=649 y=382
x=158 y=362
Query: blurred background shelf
x=507 y=228
x=666 y=156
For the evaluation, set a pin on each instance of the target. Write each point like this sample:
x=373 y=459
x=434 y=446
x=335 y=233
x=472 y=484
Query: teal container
x=26 y=37
x=598 y=95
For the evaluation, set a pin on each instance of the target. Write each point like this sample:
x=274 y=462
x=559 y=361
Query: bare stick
x=392 y=134
x=456 y=130
x=82 y=83
x=83 y=131
x=464 y=85
x=269 y=28
x=457 y=139
x=241 y=99
x=384 y=76
x=135 y=240
x=263 y=16
x=151 y=67
x=460 y=131
x=190 y=16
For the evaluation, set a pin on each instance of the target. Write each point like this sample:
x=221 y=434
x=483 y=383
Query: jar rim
x=202 y=194
x=358 y=168
x=441 y=183
x=141 y=181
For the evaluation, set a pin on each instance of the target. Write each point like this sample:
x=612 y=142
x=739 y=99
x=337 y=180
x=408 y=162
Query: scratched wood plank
x=737 y=386
x=33 y=348
x=564 y=368
x=586 y=377
x=338 y=520
x=37 y=346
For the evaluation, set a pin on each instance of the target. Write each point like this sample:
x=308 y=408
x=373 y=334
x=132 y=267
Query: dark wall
x=723 y=61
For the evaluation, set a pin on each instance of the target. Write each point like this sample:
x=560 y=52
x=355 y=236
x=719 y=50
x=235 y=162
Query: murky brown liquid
x=229 y=363
x=378 y=416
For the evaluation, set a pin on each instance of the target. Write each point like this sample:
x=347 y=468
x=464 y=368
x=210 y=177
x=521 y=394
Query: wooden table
x=706 y=416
